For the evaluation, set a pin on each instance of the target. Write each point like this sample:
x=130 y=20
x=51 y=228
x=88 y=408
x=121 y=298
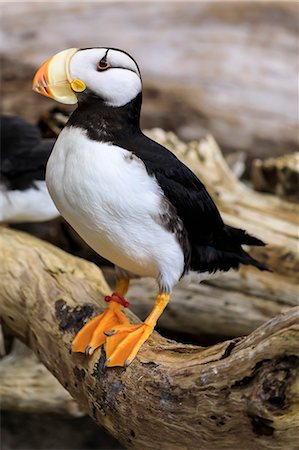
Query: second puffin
x=127 y=196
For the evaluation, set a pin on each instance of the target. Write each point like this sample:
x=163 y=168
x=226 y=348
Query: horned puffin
x=127 y=196
x=24 y=196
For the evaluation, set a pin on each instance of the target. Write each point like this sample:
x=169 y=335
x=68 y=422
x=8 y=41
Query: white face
x=110 y=74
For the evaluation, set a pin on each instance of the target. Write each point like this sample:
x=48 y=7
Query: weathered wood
x=242 y=393
x=280 y=176
x=26 y=385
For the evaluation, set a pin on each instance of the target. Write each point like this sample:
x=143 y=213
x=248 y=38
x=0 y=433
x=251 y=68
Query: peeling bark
x=241 y=393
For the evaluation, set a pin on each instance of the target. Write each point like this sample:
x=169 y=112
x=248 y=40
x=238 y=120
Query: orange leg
x=124 y=341
x=92 y=335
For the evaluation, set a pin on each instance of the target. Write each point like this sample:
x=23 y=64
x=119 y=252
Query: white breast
x=111 y=201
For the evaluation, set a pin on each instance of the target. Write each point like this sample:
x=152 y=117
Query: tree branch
x=240 y=394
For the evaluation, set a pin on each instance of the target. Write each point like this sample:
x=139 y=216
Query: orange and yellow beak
x=53 y=78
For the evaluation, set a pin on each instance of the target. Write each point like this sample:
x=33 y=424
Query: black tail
x=225 y=252
x=241 y=237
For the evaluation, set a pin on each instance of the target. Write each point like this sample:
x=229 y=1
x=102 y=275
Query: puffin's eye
x=103 y=65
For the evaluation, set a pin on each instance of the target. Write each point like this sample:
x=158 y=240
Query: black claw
x=110 y=333
x=89 y=347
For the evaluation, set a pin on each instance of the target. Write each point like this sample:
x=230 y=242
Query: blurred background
x=223 y=68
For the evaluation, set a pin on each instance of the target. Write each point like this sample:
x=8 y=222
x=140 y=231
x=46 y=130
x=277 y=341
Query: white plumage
x=108 y=197
x=116 y=87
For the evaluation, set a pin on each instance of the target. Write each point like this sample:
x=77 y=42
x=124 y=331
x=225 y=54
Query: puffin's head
x=107 y=73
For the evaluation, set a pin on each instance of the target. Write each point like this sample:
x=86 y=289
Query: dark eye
x=103 y=65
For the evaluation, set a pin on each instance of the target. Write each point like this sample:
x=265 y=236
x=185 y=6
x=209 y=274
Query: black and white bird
x=24 y=196
x=127 y=196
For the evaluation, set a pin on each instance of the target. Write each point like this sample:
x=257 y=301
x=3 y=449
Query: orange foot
x=123 y=343
x=92 y=335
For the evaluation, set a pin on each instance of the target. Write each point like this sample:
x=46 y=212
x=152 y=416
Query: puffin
x=131 y=199
x=24 y=196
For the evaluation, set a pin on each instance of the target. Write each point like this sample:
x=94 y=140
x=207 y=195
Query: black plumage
x=213 y=245
x=24 y=153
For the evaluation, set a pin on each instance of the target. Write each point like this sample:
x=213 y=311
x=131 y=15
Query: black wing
x=214 y=245
x=183 y=189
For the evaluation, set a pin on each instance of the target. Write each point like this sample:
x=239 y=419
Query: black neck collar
x=106 y=123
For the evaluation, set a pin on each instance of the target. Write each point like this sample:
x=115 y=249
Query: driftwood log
x=279 y=176
x=26 y=385
x=241 y=393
